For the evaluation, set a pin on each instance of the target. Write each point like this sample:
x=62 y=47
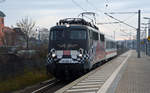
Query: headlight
x=80 y=55
x=80 y=52
x=53 y=55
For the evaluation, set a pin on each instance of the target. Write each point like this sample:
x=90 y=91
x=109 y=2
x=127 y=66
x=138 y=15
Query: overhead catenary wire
x=89 y=4
x=78 y=5
x=123 y=23
x=116 y=13
x=129 y=18
x=123 y=12
x=113 y=23
x=93 y=6
x=120 y=21
x=114 y=26
x=102 y=12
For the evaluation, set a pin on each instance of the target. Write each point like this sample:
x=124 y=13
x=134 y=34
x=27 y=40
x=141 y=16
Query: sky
x=47 y=12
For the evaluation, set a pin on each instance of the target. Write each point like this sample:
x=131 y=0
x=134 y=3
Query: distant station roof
x=2 y=14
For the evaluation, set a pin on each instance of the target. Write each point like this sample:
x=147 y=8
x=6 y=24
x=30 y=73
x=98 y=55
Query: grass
x=21 y=81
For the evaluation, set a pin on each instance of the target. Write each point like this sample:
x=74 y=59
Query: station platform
x=136 y=77
x=124 y=74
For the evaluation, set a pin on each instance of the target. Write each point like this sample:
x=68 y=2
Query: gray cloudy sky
x=47 y=12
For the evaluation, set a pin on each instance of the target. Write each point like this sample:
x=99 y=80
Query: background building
x=2 y=15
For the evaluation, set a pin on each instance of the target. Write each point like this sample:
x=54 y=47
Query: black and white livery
x=75 y=46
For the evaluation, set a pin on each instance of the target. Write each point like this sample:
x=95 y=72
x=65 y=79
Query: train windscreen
x=57 y=35
x=68 y=35
x=81 y=35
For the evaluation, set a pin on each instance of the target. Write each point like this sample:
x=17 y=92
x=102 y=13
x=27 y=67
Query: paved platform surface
x=124 y=74
x=136 y=77
x=94 y=80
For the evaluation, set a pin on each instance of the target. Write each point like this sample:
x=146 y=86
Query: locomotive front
x=68 y=50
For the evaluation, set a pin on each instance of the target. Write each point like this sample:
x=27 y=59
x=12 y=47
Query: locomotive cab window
x=81 y=35
x=57 y=35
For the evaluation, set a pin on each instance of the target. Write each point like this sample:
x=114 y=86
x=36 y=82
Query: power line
x=120 y=21
x=113 y=25
x=78 y=5
x=94 y=7
x=129 y=17
x=91 y=6
x=123 y=13
x=108 y=23
x=100 y=11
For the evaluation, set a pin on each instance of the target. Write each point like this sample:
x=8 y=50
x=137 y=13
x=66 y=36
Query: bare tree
x=27 y=26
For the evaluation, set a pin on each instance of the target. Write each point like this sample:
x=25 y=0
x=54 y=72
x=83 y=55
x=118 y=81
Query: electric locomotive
x=75 y=45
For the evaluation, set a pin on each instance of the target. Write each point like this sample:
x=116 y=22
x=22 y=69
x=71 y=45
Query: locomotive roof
x=74 y=26
x=70 y=26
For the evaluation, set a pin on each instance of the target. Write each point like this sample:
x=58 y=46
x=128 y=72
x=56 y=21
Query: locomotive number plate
x=66 y=61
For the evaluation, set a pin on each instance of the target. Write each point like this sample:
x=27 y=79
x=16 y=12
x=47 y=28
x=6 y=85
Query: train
x=75 y=46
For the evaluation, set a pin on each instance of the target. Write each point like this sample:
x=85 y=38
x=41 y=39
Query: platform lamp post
x=148 y=43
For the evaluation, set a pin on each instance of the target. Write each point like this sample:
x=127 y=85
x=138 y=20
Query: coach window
x=91 y=34
x=107 y=44
x=95 y=36
x=110 y=43
x=102 y=38
x=91 y=37
x=115 y=45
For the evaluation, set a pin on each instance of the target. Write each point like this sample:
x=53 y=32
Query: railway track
x=46 y=86
x=53 y=85
x=43 y=87
x=49 y=86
